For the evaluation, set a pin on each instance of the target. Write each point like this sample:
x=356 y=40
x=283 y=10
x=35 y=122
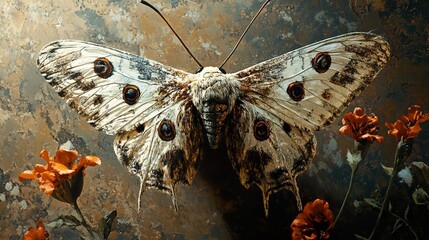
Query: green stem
x=385 y=204
x=83 y=221
x=406 y=223
x=360 y=148
x=402 y=151
x=349 y=190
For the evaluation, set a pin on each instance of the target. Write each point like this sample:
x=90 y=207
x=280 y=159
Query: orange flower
x=58 y=169
x=408 y=126
x=361 y=127
x=314 y=222
x=37 y=234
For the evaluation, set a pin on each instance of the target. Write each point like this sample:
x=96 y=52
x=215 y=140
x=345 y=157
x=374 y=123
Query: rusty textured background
x=216 y=206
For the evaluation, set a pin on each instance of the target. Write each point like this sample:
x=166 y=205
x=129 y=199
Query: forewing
x=70 y=68
x=355 y=60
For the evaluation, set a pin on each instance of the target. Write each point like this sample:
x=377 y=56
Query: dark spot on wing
x=76 y=76
x=124 y=157
x=286 y=128
x=296 y=91
x=103 y=67
x=85 y=86
x=62 y=93
x=177 y=165
x=321 y=62
x=140 y=128
x=327 y=94
x=130 y=94
x=279 y=173
x=136 y=167
x=98 y=100
x=256 y=162
x=342 y=79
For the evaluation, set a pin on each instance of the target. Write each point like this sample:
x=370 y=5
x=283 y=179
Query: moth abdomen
x=213 y=117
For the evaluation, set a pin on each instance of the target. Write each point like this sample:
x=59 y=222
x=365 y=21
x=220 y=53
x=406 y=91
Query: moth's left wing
x=291 y=96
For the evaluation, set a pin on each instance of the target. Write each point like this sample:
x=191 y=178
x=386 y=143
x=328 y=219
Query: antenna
x=165 y=20
x=244 y=33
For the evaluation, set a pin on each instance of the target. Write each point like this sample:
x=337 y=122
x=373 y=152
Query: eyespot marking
x=166 y=130
x=321 y=62
x=261 y=130
x=296 y=91
x=103 y=67
x=131 y=94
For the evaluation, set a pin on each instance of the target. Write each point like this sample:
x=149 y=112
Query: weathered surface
x=33 y=117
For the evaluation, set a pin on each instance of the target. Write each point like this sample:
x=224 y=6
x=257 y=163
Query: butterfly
x=264 y=116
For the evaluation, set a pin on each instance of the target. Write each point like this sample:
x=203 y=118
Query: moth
x=264 y=116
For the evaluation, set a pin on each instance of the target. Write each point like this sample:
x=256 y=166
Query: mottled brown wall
x=33 y=117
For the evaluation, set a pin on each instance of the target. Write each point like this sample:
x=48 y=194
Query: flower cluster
x=408 y=126
x=314 y=222
x=361 y=127
x=38 y=233
x=58 y=169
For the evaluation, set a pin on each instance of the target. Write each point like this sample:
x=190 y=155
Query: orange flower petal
x=360 y=126
x=86 y=161
x=28 y=174
x=61 y=169
x=30 y=234
x=40 y=233
x=414 y=131
x=408 y=126
x=358 y=111
x=48 y=187
x=314 y=222
x=39 y=168
x=44 y=154
x=47 y=176
x=66 y=157
x=89 y=161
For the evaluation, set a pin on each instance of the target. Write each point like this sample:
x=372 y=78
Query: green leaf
x=420 y=197
x=372 y=202
x=63 y=193
x=354 y=158
x=398 y=224
x=76 y=184
x=387 y=170
x=423 y=170
x=360 y=237
x=403 y=151
x=65 y=220
x=106 y=223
